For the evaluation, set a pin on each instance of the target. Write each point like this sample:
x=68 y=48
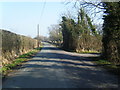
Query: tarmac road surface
x=55 y=68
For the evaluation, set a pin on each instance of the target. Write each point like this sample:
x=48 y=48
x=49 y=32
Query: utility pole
x=38 y=36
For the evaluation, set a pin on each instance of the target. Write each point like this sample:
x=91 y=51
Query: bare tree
x=55 y=34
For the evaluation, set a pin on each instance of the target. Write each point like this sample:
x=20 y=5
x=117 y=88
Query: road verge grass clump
x=109 y=66
x=87 y=52
x=18 y=61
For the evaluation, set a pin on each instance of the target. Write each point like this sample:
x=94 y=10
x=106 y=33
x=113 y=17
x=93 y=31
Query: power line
x=38 y=28
x=42 y=12
x=43 y=9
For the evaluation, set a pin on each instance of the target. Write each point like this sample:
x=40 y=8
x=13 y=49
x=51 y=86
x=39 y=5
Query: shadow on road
x=52 y=68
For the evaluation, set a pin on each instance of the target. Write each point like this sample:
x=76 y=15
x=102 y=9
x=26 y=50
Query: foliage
x=70 y=34
x=14 y=45
x=111 y=26
x=18 y=61
x=81 y=34
x=111 y=32
x=55 y=34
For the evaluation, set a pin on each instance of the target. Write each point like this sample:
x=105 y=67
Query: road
x=55 y=68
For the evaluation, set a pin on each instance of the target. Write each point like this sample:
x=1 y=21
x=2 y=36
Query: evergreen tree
x=77 y=34
x=69 y=34
x=111 y=31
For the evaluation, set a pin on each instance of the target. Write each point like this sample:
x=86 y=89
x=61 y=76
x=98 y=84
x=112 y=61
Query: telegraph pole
x=38 y=36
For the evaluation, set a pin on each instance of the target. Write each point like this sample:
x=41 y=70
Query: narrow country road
x=55 y=68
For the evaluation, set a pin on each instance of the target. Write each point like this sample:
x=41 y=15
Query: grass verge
x=109 y=66
x=18 y=61
x=87 y=52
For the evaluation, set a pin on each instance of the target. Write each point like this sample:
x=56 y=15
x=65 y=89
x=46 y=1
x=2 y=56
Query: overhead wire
x=42 y=11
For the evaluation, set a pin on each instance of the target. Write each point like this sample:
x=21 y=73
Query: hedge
x=14 y=45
